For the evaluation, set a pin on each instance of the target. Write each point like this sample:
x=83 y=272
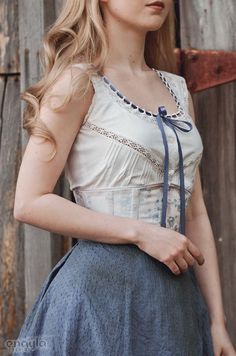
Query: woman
x=131 y=155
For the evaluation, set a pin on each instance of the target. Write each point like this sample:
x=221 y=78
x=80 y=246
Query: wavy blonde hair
x=78 y=35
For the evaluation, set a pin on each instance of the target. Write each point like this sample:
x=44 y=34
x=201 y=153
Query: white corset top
x=116 y=163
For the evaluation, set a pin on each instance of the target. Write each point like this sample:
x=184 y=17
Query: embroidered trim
x=185 y=94
x=139 y=148
x=172 y=92
x=135 y=146
x=140 y=111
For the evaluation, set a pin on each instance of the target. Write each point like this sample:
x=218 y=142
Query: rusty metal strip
x=206 y=69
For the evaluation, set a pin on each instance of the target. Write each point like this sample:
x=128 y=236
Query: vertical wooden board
x=11 y=242
x=49 y=13
x=2 y=93
x=9 y=55
x=58 y=6
x=31 y=29
x=209 y=25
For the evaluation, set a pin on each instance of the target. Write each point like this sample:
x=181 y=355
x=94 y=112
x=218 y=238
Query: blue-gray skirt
x=115 y=300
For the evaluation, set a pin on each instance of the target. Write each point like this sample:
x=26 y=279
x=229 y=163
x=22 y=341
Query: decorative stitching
x=138 y=148
x=134 y=145
x=140 y=111
x=185 y=93
x=194 y=161
x=172 y=92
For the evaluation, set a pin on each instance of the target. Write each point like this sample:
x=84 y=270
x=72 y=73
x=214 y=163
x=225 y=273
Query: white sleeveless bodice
x=116 y=163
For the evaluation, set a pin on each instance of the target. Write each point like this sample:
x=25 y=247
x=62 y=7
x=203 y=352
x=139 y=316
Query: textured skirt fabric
x=115 y=300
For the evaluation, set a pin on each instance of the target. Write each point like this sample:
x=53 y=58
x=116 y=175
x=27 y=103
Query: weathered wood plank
x=58 y=6
x=2 y=93
x=209 y=25
x=11 y=241
x=9 y=56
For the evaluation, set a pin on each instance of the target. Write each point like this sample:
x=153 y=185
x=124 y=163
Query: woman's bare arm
x=35 y=202
x=198 y=229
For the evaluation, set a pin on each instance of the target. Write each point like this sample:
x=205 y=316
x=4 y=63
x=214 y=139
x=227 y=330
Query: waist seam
x=145 y=186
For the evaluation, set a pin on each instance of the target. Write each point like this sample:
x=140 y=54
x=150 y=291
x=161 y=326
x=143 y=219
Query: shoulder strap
x=185 y=93
x=95 y=79
x=81 y=65
x=179 y=86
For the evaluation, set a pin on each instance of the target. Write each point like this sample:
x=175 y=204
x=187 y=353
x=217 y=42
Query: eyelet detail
x=125 y=102
x=144 y=151
x=133 y=106
x=120 y=95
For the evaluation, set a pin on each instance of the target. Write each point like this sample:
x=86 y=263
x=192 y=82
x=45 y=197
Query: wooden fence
x=28 y=253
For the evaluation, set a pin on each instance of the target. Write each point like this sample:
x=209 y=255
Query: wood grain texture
x=9 y=41
x=11 y=240
x=58 y=6
x=209 y=25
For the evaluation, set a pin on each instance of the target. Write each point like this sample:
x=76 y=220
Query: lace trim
x=140 y=111
x=172 y=92
x=125 y=141
x=139 y=148
x=185 y=94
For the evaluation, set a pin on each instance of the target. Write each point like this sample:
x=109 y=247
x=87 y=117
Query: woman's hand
x=173 y=249
x=221 y=341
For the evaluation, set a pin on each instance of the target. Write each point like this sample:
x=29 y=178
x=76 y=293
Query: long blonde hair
x=78 y=35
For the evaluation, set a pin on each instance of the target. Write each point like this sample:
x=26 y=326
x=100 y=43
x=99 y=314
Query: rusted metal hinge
x=206 y=69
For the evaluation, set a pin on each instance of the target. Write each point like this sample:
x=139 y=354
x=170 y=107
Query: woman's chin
x=154 y=27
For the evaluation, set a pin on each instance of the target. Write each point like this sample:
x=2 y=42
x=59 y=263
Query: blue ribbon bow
x=173 y=124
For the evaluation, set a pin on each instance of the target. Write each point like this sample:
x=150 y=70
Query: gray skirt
x=115 y=300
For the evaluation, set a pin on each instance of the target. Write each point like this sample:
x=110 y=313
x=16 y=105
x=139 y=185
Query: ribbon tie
x=173 y=124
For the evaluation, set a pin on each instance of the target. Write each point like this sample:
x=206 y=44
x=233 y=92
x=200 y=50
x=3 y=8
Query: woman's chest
x=142 y=133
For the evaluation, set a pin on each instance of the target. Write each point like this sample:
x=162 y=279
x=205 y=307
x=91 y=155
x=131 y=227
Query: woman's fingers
x=195 y=252
x=182 y=264
x=173 y=267
x=189 y=258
